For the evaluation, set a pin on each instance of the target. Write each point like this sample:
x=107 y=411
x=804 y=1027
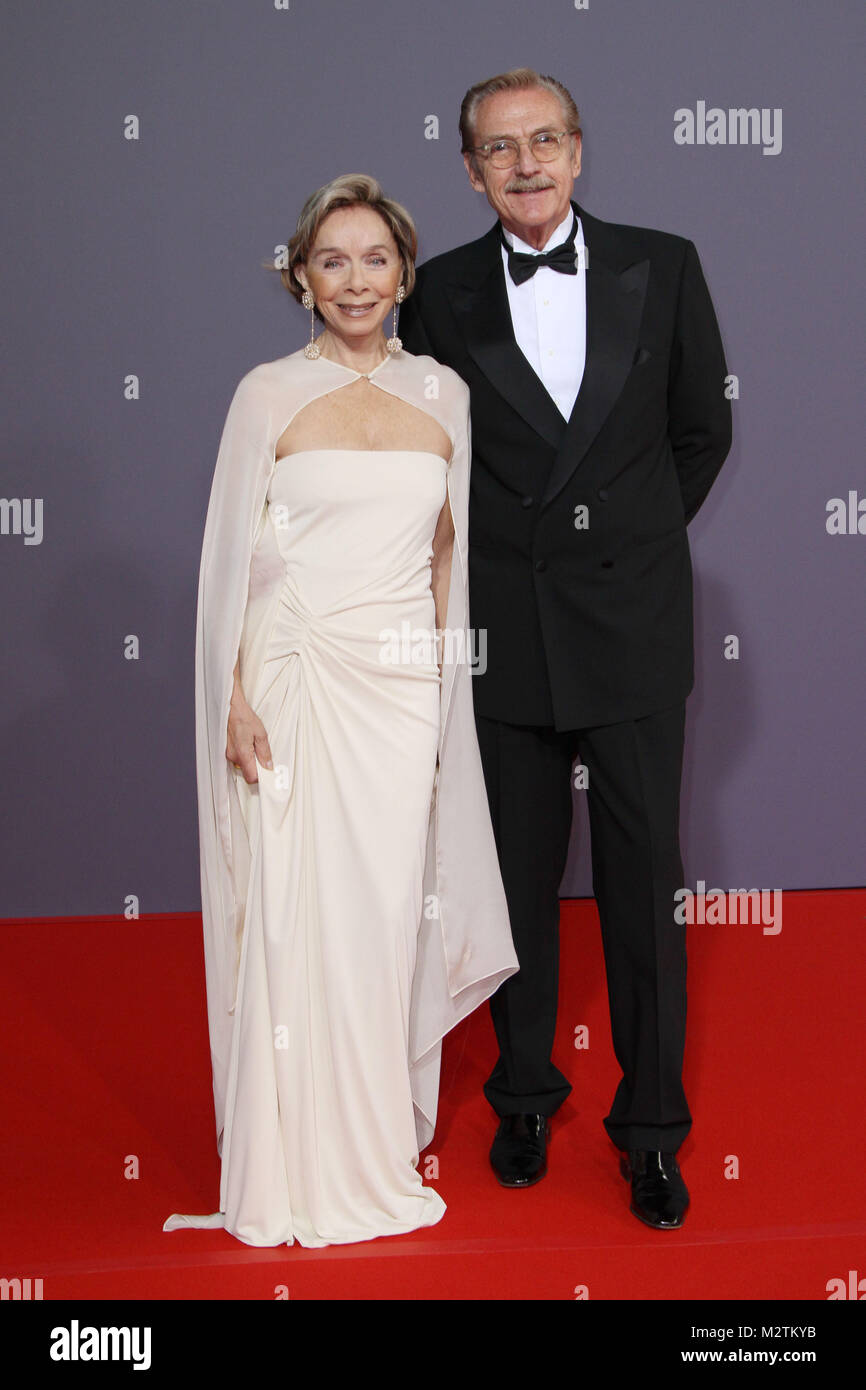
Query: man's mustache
x=529 y=185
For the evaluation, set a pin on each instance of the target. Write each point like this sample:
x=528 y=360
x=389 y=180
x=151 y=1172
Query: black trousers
x=634 y=770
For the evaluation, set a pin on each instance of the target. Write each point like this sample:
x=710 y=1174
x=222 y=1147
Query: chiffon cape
x=465 y=948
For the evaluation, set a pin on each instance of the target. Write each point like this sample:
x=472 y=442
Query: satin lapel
x=482 y=311
x=614 y=308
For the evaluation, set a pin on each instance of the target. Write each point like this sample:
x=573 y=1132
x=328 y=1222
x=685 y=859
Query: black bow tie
x=522 y=266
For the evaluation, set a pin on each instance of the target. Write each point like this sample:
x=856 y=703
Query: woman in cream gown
x=351 y=900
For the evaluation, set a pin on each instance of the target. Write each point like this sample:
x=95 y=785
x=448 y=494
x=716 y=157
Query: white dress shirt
x=548 y=313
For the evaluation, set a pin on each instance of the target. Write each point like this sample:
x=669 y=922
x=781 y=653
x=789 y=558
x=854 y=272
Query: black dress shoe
x=659 y=1195
x=519 y=1151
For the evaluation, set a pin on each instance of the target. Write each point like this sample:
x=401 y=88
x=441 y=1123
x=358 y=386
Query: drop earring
x=394 y=344
x=312 y=349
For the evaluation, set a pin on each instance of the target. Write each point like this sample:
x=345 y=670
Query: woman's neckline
x=429 y=453
x=365 y=375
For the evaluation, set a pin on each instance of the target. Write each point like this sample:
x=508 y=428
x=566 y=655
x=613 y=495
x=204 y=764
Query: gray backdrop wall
x=143 y=256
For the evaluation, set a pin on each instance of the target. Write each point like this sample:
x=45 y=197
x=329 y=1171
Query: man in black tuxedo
x=599 y=421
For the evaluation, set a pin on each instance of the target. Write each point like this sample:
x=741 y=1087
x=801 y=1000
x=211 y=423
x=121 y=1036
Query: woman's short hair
x=350 y=190
x=516 y=79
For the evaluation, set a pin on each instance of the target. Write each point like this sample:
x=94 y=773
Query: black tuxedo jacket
x=588 y=615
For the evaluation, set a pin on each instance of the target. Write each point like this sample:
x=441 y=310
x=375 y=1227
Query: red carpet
x=105 y=1057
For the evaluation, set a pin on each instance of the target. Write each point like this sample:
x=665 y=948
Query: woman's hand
x=246 y=737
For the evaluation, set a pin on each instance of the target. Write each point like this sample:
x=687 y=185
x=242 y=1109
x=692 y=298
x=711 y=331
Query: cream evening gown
x=320 y=1137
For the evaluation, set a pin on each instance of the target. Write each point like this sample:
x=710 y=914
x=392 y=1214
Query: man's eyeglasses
x=504 y=153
